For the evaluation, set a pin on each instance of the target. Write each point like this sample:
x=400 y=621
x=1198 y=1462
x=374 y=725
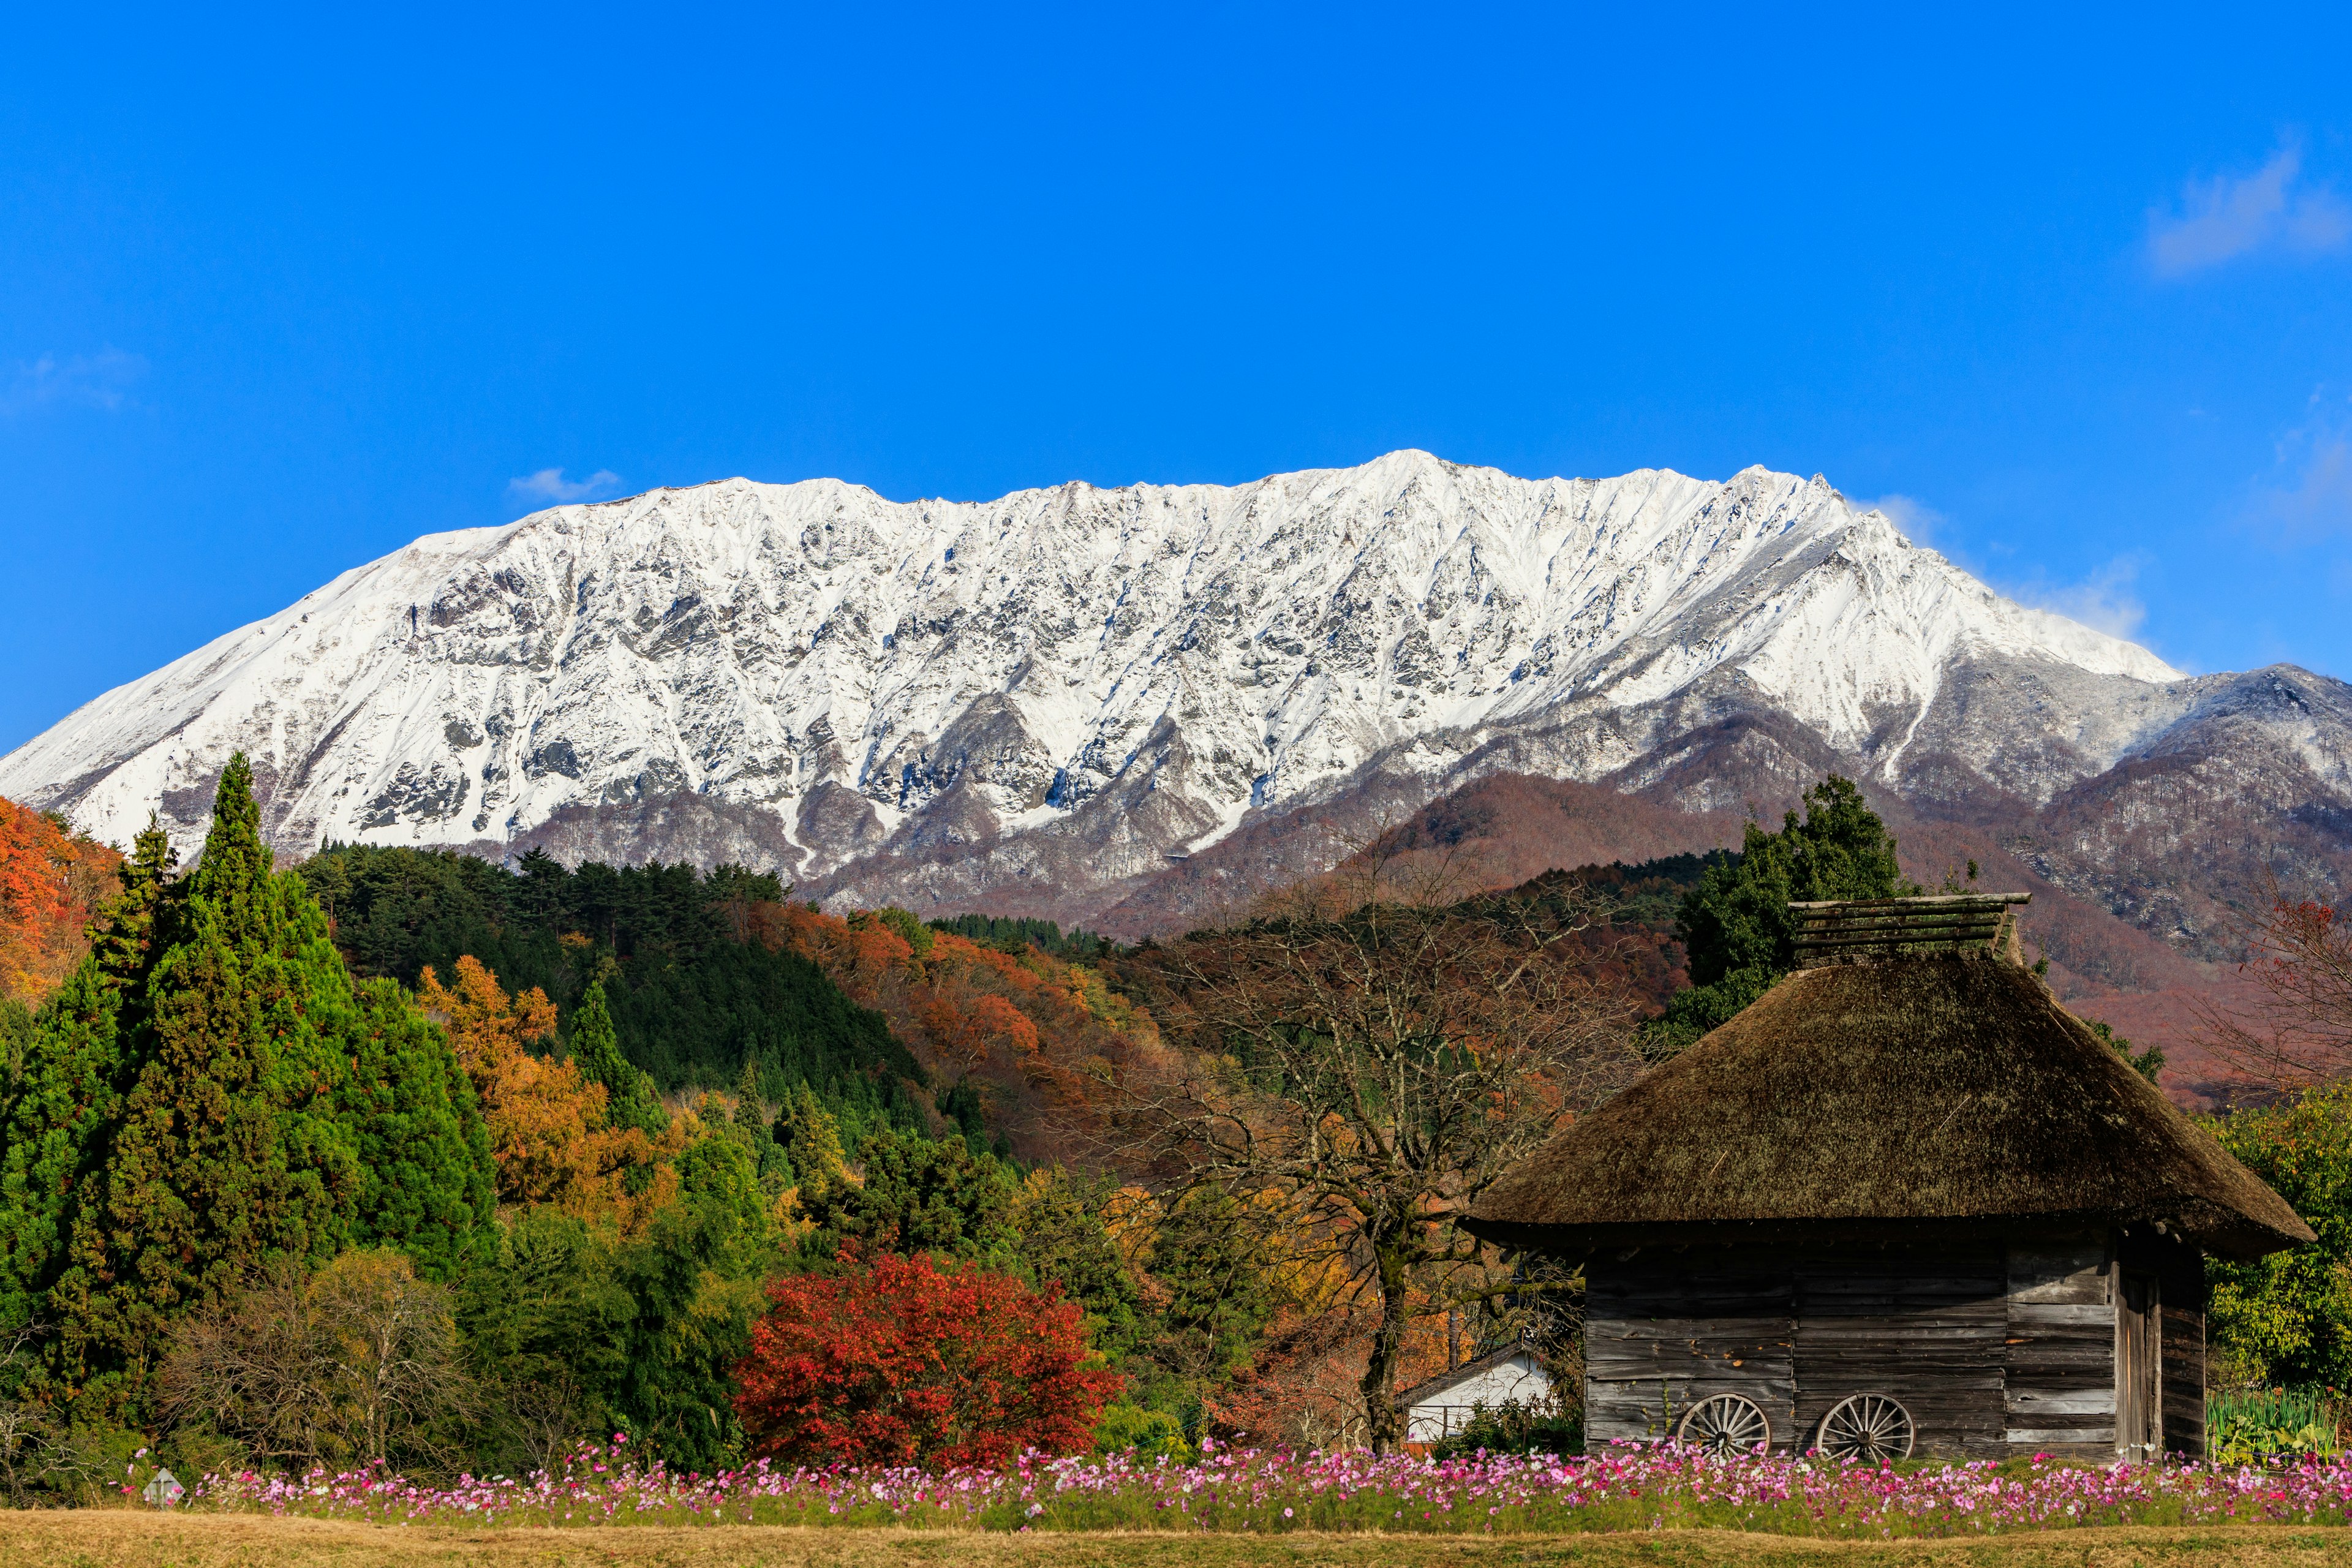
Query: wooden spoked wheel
x=1868 y=1427
x=1725 y=1423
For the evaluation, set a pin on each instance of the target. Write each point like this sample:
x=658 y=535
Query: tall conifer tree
x=260 y=1109
x=66 y=1096
x=630 y=1100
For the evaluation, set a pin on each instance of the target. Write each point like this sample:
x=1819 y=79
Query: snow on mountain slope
x=807 y=674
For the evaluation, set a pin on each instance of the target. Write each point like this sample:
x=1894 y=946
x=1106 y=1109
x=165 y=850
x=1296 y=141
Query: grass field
x=128 y=1539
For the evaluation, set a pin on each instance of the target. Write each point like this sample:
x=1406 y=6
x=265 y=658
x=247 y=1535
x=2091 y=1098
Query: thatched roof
x=1950 y=1087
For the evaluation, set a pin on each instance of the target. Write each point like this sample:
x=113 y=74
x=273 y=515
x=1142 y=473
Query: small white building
x=1443 y=1405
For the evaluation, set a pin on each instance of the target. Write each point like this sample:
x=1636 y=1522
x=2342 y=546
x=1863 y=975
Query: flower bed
x=1626 y=1487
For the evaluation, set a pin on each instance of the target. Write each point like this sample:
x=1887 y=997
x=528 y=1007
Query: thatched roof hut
x=1933 y=1088
x=1910 y=1161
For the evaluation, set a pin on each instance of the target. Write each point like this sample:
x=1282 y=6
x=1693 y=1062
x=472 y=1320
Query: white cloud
x=2229 y=217
x=2103 y=600
x=2309 y=489
x=1918 y=522
x=102 y=380
x=549 y=486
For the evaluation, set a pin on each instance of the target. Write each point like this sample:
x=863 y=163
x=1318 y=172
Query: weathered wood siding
x=1994 y=1349
x=2060 y=1394
x=1926 y=1331
x=1664 y=1330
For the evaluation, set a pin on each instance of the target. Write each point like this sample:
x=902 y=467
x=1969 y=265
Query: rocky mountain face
x=1127 y=706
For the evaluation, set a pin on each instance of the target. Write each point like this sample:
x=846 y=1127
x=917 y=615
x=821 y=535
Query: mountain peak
x=810 y=675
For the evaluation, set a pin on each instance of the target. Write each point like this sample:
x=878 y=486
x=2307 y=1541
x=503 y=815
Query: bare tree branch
x=2295 y=1033
x=1373 y=1051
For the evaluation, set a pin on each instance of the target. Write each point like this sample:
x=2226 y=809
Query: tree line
x=400 y=1157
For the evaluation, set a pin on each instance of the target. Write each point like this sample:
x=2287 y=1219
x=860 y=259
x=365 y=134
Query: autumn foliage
x=548 y=1129
x=52 y=883
x=896 y=1362
x=1038 y=1035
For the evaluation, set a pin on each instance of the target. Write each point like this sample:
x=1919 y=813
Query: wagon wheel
x=1725 y=1423
x=1869 y=1428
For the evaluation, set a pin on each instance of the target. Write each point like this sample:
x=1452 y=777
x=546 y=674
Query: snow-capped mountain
x=1073 y=687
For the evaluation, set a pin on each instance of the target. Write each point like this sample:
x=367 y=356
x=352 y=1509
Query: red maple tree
x=898 y=1362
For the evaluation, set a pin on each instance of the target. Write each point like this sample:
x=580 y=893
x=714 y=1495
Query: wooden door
x=2139 y=1403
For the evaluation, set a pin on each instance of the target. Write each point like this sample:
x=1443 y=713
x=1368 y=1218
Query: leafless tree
x=255 y=1367
x=544 y=1418
x=344 y=1364
x=2294 y=1031
x=1367 y=1055
x=29 y=1435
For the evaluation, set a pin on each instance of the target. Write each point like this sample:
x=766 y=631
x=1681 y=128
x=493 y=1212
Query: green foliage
x=2268 y=1425
x=692 y=995
x=1129 y=1428
x=15 y=1033
x=1066 y=1242
x=524 y=1312
x=1735 y=924
x=1212 y=1268
x=2147 y=1063
x=919 y=1195
x=428 y=1183
x=748 y=1111
x=2286 y=1319
x=66 y=1092
x=810 y=1137
x=676 y=1310
x=1012 y=934
x=1649 y=893
x=630 y=1098
x=208 y=1095
x=906 y=927
x=1512 y=1427
x=569 y=1325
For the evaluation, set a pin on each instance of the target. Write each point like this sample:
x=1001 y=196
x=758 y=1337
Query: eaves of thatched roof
x=1919 y=1091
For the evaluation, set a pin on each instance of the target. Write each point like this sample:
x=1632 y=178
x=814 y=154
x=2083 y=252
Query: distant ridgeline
x=690 y=998
x=1012 y=935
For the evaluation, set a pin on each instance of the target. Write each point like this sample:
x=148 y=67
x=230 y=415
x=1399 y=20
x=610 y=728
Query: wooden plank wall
x=2060 y=1372
x=1926 y=1331
x=1994 y=1349
x=1664 y=1330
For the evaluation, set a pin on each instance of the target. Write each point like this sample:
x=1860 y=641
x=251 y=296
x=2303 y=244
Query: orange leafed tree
x=1042 y=1034
x=547 y=1125
x=52 y=884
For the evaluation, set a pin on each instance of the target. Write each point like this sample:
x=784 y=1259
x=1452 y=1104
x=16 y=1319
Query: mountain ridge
x=1053 y=700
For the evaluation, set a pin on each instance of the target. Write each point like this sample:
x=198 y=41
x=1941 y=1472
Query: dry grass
x=111 y=1539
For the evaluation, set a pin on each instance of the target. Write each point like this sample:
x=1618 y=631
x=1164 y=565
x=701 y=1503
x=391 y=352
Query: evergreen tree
x=1065 y=1241
x=748 y=1111
x=810 y=1137
x=1215 y=1274
x=210 y=1097
x=424 y=1150
x=1735 y=925
x=65 y=1096
x=228 y=1154
x=675 y=1310
x=919 y=1195
x=630 y=1101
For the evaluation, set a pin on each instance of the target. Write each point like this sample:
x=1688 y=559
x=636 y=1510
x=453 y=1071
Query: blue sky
x=278 y=294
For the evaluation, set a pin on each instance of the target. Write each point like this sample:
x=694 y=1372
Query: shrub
x=897 y=1362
